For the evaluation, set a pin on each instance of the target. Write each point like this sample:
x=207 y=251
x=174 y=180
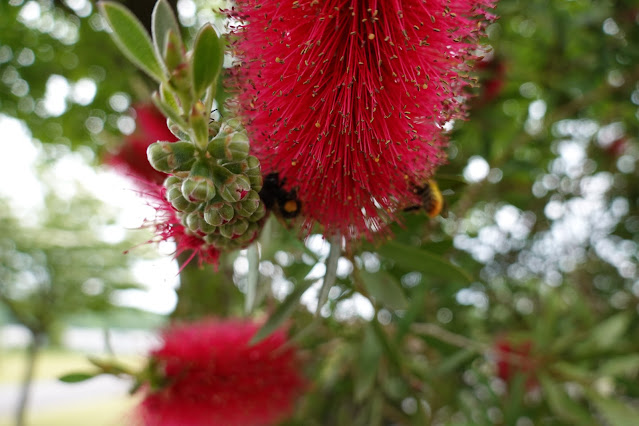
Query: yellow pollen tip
x=317 y=124
x=293 y=163
x=377 y=159
x=371 y=36
x=290 y=206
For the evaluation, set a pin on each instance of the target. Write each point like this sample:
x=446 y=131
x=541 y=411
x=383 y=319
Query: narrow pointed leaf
x=282 y=313
x=416 y=259
x=208 y=58
x=385 y=289
x=368 y=365
x=252 y=279
x=562 y=405
x=132 y=39
x=162 y=21
x=77 y=377
x=616 y=413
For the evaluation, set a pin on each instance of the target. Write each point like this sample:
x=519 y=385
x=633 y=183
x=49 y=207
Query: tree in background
x=517 y=307
x=61 y=266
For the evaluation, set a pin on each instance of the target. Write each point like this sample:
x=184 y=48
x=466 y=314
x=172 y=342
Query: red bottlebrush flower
x=346 y=99
x=513 y=359
x=169 y=227
x=131 y=157
x=212 y=376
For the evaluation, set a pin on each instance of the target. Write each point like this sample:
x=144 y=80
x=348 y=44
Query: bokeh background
x=517 y=306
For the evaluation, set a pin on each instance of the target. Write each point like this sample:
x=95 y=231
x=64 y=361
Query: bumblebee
x=284 y=204
x=431 y=199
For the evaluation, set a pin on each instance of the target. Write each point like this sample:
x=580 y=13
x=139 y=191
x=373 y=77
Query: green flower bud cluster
x=215 y=190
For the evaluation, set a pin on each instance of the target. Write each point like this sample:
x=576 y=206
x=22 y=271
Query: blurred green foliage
x=538 y=247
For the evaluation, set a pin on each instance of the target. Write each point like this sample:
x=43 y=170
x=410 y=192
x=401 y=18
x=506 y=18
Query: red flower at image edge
x=346 y=99
x=215 y=378
x=131 y=157
x=513 y=359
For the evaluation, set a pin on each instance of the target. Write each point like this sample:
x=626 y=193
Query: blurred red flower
x=346 y=99
x=516 y=358
x=214 y=377
x=131 y=157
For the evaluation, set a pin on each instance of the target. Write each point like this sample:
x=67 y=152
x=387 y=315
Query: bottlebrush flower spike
x=209 y=375
x=131 y=157
x=346 y=99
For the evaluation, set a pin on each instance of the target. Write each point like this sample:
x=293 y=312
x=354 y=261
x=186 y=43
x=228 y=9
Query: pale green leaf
x=430 y=264
x=163 y=20
x=208 y=58
x=132 y=39
x=562 y=405
x=385 y=289
x=614 y=411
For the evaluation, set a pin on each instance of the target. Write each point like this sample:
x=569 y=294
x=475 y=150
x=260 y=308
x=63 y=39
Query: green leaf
x=331 y=273
x=385 y=288
x=253 y=256
x=368 y=364
x=414 y=259
x=605 y=335
x=562 y=405
x=132 y=39
x=626 y=365
x=282 y=312
x=453 y=362
x=77 y=377
x=162 y=21
x=615 y=412
x=208 y=58
x=167 y=110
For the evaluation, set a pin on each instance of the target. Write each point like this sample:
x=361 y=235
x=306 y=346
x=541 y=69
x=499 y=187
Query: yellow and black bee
x=431 y=199
x=284 y=204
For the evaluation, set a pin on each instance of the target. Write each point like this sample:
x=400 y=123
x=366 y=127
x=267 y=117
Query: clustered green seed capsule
x=215 y=191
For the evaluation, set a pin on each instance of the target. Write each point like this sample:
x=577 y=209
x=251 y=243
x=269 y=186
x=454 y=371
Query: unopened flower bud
x=232 y=147
x=170 y=157
x=249 y=235
x=234 y=229
x=248 y=205
x=192 y=221
x=217 y=214
x=254 y=172
x=198 y=186
x=172 y=181
x=259 y=213
x=196 y=223
x=231 y=187
x=177 y=200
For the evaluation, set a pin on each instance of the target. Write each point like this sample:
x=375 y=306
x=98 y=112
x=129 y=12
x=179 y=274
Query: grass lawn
x=111 y=412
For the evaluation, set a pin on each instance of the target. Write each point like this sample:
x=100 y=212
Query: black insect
x=284 y=204
x=431 y=199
